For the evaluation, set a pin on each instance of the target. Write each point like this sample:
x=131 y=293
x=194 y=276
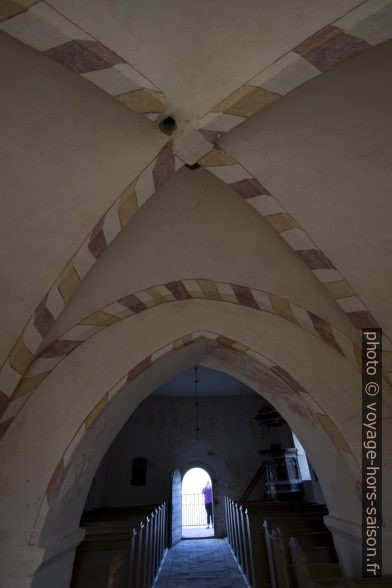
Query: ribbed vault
x=255 y=238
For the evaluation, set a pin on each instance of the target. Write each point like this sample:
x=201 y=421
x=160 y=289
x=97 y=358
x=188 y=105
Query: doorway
x=197 y=504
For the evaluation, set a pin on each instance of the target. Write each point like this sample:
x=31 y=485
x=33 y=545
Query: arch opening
x=197 y=504
x=188 y=516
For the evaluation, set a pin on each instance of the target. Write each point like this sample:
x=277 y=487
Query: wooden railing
x=257 y=488
x=278 y=559
x=301 y=569
x=265 y=556
x=239 y=538
x=147 y=551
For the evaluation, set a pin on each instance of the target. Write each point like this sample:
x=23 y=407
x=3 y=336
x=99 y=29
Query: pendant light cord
x=197 y=404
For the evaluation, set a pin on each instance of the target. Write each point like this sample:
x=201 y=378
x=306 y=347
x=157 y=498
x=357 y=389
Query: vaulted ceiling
x=281 y=106
x=187 y=183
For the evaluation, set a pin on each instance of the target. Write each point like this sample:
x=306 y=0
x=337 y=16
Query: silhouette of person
x=207 y=491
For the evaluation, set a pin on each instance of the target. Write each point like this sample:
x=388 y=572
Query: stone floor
x=197 y=532
x=200 y=563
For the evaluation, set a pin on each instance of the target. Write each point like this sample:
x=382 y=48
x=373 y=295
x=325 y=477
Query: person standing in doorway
x=207 y=491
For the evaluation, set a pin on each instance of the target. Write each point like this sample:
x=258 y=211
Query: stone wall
x=176 y=505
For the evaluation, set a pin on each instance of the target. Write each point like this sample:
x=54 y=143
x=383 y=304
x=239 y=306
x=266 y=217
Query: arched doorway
x=197 y=504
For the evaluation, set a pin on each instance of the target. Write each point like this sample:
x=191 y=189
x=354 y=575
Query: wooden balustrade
x=115 y=568
x=270 y=555
x=257 y=489
x=302 y=574
x=147 y=551
x=278 y=558
x=239 y=538
x=267 y=559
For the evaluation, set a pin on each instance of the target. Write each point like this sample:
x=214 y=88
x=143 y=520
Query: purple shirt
x=207 y=491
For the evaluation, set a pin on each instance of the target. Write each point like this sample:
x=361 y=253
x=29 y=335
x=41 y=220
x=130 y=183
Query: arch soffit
x=182 y=290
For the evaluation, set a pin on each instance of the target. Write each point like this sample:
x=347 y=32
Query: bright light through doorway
x=194 y=481
x=194 y=514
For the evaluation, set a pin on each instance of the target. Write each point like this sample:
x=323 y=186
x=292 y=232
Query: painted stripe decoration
x=161 y=169
x=40 y=26
x=43 y=28
x=363 y=27
x=328 y=426
x=192 y=289
x=225 y=168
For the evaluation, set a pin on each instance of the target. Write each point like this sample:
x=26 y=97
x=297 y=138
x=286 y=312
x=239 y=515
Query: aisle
x=200 y=563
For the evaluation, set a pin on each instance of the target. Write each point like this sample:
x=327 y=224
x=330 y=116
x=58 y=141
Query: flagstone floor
x=200 y=563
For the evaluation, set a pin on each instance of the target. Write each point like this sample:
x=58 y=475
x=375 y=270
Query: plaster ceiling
x=325 y=152
x=75 y=148
x=207 y=240
x=260 y=211
x=199 y=52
